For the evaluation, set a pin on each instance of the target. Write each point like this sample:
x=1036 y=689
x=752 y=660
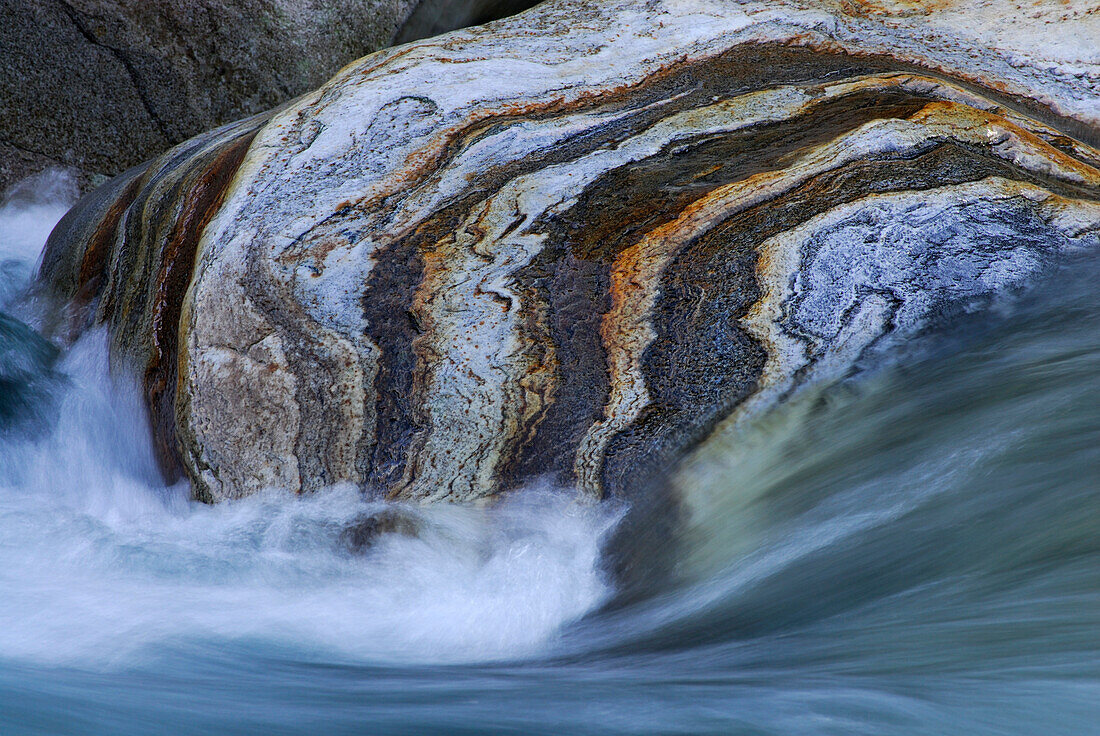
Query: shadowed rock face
x=102 y=85
x=433 y=17
x=578 y=243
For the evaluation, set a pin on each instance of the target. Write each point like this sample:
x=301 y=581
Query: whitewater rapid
x=915 y=550
x=103 y=563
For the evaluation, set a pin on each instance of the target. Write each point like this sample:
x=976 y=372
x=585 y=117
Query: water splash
x=914 y=553
x=28 y=212
x=104 y=565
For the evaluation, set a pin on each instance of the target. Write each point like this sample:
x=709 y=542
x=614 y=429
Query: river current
x=915 y=550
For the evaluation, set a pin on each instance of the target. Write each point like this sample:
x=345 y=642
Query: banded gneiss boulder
x=578 y=242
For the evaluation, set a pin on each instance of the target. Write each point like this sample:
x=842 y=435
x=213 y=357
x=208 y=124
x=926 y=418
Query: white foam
x=28 y=212
x=103 y=566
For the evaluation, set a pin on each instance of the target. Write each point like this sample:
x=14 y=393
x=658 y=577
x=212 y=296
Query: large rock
x=102 y=85
x=576 y=243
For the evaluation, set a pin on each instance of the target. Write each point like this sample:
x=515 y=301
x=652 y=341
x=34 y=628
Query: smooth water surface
x=914 y=551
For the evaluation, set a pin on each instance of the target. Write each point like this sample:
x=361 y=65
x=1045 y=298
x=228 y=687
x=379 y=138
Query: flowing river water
x=913 y=551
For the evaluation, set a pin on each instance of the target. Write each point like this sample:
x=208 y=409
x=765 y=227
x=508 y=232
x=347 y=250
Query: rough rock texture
x=102 y=85
x=578 y=242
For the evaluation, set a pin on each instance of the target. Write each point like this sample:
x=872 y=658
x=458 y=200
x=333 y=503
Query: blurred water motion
x=914 y=551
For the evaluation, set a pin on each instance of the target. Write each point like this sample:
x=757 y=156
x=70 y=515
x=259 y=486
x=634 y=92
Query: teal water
x=914 y=551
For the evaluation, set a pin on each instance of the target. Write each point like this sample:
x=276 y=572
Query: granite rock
x=98 y=86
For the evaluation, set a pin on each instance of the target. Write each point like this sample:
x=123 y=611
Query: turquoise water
x=914 y=551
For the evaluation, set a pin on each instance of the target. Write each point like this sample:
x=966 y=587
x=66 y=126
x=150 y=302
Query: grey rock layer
x=102 y=85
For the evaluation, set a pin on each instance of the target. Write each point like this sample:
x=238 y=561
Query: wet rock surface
x=581 y=243
x=363 y=533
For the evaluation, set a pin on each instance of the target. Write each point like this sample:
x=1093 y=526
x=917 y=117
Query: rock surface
x=102 y=85
x=577 y=243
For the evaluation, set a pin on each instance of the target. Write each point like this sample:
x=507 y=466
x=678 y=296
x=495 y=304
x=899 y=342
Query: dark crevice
x=123 y=58
x=433 y=17
x=11 y=144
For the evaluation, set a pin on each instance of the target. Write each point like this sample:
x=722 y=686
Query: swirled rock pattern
x=576 y=243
